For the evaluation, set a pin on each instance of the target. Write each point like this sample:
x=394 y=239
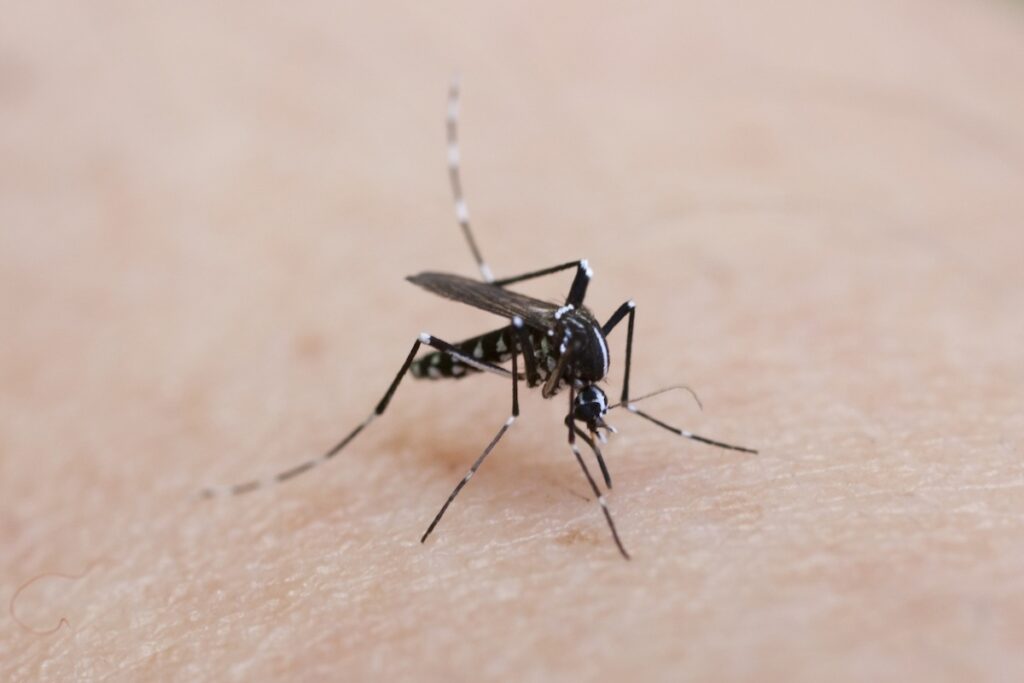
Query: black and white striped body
x=575 y=328
x=492 y=347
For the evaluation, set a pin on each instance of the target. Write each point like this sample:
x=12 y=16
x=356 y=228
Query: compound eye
x=591 y=404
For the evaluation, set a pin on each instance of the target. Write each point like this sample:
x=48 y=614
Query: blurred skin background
x=206 y=216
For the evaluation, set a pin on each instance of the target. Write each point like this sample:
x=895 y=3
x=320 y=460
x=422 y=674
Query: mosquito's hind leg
x=629 y=308
x=517 y=324
x=382 y=405
x=583 y=273
x=454 y=176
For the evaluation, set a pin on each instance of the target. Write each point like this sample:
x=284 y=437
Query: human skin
x=206 y=216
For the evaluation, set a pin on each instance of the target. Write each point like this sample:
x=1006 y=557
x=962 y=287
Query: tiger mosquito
x=560 y=347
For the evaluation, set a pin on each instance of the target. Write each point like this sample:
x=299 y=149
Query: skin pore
x=205 y=226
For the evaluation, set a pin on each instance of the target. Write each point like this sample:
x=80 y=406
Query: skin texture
x=206 y=216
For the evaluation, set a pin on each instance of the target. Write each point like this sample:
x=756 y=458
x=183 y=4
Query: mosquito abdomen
x=491 y=347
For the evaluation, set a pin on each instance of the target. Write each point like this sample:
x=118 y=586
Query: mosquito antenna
x=461 y=210
x=674 y=387
x=682 y=432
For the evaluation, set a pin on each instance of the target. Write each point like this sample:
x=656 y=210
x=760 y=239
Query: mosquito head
x=591 y=406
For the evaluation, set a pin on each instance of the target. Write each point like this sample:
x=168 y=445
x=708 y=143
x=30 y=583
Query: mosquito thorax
x=582 y=336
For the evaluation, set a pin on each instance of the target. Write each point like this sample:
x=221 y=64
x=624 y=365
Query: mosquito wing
x=534 y=312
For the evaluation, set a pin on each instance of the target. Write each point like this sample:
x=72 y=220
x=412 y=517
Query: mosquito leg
x=593 y=484
x=689 y=435
x=518 y=324
x=579 y=284
x=454 y=176
x=462 y=211
x=597 y=452
x=629 y=308
x=295 y=471
x=529 y=360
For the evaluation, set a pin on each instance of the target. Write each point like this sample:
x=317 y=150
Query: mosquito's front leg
x=629 y=308
x=590 y=479
x=382 y=405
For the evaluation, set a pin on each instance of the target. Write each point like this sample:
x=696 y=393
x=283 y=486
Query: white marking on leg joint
x=453 y=103
x=425 y=338
x=517 y=322
x=453 y=156
x=461 y=210
x=510 y=420
x=485 y=270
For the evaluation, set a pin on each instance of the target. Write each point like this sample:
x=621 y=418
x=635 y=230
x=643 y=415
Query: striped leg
x=597 y=453
x=583 y=274
x=454 y=176
x=590 y=480
x=629 y=308
x=577 y=291
x=517 y=323
x=285 y=475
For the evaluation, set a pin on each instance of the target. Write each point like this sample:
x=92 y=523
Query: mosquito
x=561 y=348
